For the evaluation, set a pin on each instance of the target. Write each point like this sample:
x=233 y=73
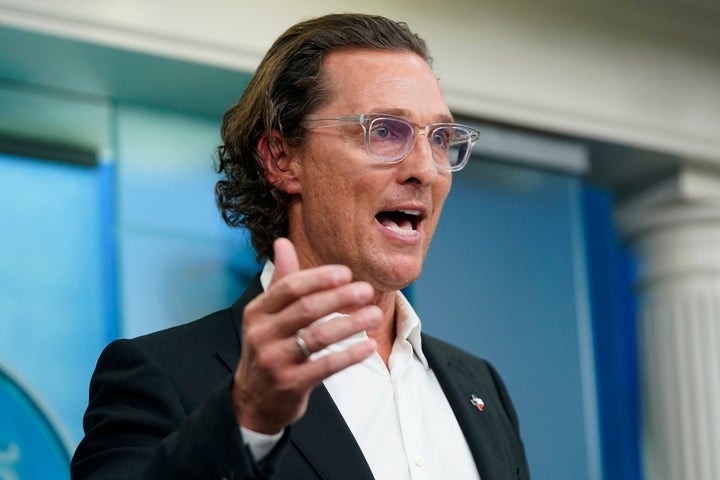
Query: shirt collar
x=407 y=327
x=267 y=274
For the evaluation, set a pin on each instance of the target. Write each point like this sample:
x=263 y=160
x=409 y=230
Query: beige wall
x=641 y=76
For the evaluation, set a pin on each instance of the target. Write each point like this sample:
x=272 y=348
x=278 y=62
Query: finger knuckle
x=267 y=359
x=293 y=286
x=332 y=364
x=306 y=307
x=287 y=379
x=252 y=313
x=254 y=336
x=318 y=336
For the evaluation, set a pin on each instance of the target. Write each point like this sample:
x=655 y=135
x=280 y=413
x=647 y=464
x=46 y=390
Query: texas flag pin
x=477 y=401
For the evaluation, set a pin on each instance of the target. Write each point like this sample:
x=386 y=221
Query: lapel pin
x=477 y=402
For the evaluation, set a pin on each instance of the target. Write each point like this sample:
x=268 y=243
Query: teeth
x=402 y=231
x=415 y=213
x=403 y=224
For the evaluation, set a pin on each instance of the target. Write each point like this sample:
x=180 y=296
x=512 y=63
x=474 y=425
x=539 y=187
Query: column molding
x=673 y=227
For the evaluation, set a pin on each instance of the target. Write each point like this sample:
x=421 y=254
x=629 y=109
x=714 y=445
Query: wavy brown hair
x=287 y=86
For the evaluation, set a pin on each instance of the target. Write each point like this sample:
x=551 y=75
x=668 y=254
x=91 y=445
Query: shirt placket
x=407 y=409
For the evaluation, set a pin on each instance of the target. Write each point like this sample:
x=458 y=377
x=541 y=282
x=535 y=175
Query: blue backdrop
x=55 y=307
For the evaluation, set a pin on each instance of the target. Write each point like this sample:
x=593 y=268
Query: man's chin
x=396 y=276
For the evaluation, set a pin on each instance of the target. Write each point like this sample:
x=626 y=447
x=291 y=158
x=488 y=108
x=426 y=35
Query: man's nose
x=419 y=164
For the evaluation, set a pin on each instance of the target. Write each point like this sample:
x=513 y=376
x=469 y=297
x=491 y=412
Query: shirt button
x=419 y=461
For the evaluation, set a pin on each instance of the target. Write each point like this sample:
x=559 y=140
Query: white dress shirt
x=398 y=414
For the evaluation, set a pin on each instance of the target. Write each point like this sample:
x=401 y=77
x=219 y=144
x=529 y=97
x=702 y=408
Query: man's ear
x=278 y=161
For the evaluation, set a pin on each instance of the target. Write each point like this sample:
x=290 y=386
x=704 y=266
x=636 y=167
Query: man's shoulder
x=177 y=351
x=197 y=332
x=440 y=348
x=445 y=358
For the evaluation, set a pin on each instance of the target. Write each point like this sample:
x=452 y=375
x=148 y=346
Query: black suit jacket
x=160 y=407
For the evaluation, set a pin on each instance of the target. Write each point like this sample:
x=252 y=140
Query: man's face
x=376 y=218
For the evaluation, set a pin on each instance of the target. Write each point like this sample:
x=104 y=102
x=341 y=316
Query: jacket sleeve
x=137 y=427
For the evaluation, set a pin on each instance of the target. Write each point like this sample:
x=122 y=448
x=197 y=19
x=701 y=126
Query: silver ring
x=301 y=343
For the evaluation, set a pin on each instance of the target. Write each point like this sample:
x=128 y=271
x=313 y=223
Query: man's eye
x=441 y=138
x=387 y=131
x=381 y=131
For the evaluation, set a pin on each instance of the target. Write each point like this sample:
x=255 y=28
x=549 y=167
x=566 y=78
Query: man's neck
x=384 y=335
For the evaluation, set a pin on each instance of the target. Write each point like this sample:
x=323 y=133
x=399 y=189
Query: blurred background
x=579 y=251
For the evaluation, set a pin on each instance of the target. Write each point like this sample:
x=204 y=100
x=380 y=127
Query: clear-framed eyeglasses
x=389 y=138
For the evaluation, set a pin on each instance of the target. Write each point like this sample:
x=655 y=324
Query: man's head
x=288 y=86
x=343 y=143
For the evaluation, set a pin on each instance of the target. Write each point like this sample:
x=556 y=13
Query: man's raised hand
x=275 y=377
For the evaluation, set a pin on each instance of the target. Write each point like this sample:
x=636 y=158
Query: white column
x=674 y=229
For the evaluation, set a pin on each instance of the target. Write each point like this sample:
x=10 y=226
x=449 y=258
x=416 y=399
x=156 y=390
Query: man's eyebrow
x=400 y=112
x=446 y=119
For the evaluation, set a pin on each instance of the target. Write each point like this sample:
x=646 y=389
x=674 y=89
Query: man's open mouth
x=403 y=222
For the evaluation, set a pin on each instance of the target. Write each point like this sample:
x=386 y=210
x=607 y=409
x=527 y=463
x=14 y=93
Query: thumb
x=286 y=260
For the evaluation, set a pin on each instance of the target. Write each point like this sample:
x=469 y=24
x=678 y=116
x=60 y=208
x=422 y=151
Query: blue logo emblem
x=31 y=446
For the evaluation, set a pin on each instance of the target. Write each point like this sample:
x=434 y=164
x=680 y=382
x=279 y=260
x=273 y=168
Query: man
x=337 y=158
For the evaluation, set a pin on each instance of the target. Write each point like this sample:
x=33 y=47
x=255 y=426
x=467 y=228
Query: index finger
x=293 y=287
x=289 y=283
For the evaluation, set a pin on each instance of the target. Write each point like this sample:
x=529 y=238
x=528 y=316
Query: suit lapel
x=228 y=351
x=484 y=429
x=325 y=440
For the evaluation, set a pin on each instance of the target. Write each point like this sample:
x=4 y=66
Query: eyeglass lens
x=390 y=138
